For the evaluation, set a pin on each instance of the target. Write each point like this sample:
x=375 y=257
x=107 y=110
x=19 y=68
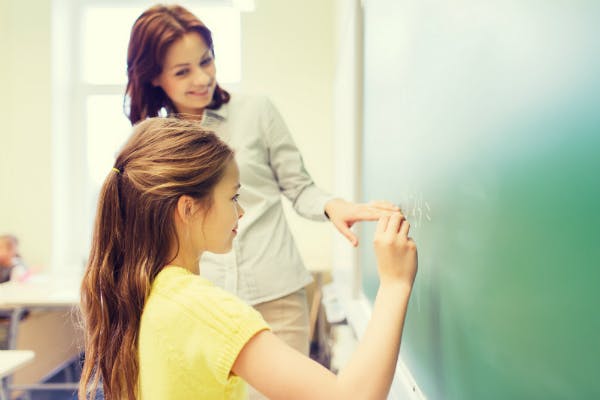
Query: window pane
x=106 y=34
x=107 y=130
x=104 y=45
x=225 y=25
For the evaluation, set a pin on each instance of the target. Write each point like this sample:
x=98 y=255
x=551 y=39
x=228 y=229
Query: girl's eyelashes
x=236 y=197
x=181 y=72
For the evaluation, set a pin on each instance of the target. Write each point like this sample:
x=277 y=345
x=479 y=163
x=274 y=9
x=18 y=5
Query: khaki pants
x=288 y=318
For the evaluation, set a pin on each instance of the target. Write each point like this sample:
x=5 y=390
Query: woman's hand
x=343 y=214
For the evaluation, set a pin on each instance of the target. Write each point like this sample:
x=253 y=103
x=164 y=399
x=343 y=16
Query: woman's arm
x=297 y=185
x=280 y=372
x=288 y=168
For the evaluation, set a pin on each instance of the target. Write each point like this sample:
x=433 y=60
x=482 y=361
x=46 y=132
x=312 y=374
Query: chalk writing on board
x=418 y=212
x=416 y=209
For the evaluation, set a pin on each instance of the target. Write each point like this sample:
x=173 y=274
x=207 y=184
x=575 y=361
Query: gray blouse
x=264 y=263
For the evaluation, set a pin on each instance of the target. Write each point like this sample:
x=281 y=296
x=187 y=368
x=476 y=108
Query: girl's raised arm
x=280 y=372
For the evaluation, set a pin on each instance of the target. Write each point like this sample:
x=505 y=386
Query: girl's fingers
x=395 y=223
x=403 y=232
x=382 y=224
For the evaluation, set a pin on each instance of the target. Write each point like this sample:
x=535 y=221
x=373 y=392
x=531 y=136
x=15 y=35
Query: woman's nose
x=201 y=77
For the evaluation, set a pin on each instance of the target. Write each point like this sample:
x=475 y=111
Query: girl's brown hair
x=151 y=36
x=133 y=236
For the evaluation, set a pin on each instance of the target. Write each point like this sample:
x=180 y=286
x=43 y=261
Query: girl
x=156 y=329
x=171 y=69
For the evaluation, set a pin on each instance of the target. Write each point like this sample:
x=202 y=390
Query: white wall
x=25 y=167
x=25 y=162
x=288 y=53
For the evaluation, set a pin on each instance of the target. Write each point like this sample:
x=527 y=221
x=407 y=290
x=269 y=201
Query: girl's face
x=215 y=229
x=188 y=74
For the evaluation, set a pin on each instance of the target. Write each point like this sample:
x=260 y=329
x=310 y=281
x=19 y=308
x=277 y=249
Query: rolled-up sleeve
x=288 y=168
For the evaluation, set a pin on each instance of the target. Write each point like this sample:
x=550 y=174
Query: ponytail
x=99 y=285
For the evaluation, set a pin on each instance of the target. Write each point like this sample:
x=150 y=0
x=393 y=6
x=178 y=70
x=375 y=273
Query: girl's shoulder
x=180 y=287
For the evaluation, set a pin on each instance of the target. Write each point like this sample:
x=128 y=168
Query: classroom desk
x=43 y=292
x=10 y=361
x=39 y=292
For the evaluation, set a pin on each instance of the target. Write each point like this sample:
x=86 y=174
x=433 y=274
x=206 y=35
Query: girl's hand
x=396 y=252
x=343 y=214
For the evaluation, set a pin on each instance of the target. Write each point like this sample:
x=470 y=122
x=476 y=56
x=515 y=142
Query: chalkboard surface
x=482 y=119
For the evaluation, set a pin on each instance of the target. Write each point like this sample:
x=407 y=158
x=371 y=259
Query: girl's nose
x=240 y=211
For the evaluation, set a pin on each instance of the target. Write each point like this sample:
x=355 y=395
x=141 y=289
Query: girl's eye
x=181 y=72
x=236 y=198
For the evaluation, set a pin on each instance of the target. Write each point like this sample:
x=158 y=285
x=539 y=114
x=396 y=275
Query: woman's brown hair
x=134 y=237
x=151 y=36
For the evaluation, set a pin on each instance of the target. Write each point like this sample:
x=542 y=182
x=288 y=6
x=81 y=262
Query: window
x=89 y=77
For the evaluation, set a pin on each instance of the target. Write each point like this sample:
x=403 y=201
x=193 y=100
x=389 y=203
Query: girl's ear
x=185 y=208
x=155 y=82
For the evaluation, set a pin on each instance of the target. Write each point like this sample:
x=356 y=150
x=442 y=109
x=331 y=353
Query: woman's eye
x=206 y=61
x=181 y=72
x=236 y=197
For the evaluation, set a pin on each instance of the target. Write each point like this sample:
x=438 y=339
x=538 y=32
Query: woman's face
x=188 y=74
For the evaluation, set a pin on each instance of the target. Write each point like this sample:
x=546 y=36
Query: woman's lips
x=199 y=94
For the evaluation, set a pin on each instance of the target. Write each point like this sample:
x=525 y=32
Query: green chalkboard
x=482 y=119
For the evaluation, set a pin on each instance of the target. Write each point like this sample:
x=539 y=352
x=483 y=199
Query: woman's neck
x=192 y=115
